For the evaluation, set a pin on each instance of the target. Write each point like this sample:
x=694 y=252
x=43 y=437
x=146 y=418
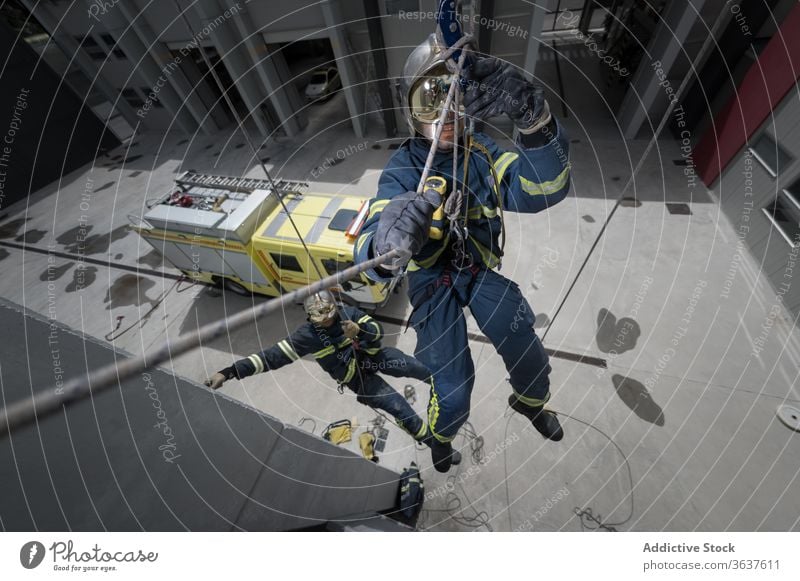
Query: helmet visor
x=321 y=312
x=320 y=307
x=429 y=93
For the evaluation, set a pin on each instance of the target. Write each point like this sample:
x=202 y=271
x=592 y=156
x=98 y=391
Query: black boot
x=443 y=455
x=544 y=421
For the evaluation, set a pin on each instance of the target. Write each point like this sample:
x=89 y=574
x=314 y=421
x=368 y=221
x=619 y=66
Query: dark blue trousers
x=372 y=389
x=503 y=315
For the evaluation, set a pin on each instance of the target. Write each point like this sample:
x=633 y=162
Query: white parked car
x=324 y=83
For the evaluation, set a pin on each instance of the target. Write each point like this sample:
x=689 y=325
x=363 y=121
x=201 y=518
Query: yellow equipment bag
x=339 y=432
x=367 y=443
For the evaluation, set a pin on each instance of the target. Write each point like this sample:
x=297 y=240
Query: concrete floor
x=678 y=432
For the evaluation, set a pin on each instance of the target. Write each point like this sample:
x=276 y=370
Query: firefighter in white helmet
x=346 y=342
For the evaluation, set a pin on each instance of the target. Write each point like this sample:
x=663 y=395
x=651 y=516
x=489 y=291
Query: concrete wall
x=45 y=129
x=160 y=452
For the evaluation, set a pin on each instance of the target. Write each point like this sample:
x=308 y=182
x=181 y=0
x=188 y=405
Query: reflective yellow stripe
x=475 y=213
x=373 y=351
x=545 y=188
x=502 y=164
x=351 y=371
x=378 y=333
x=288 y=350
x=376 y=206
x=361 y=240
x=422 y=431
x=532 y=401
x=431 y=260
x=255 y=359
x=364 y=319
x=345 y=342
x=327 y=351
x=489 y=259
x=433 y=415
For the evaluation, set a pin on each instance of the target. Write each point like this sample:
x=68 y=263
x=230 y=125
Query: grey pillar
x=538 y=10
x=378 y=48
x=85 y=63
x=665 y=46
x=161 y=55
x=146 y=68
x=235 y=59
x=350 y=79
x=283 y=96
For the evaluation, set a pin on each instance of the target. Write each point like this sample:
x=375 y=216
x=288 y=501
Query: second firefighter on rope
x=346 y=343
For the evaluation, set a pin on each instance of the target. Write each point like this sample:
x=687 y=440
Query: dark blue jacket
x=332 y=350
x=530 y=180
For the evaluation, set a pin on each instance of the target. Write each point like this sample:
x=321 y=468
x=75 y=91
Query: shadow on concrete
x=635 y=395
x=616 y=336
x=129 y=290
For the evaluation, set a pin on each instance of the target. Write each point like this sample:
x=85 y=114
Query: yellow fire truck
x=233 y=232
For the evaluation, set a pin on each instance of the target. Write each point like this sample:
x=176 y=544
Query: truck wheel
x=235 y=287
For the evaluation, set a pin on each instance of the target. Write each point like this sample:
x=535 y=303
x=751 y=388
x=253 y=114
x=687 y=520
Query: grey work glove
x=495 y=88
x=350 y=329
x=404 y=225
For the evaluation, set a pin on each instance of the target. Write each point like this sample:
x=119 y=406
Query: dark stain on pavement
x=129 y=290
x=11 y=229
x=31 y=236
x=70 y=239
x=615 y=336
x=105 y=186
x=53 y=272
x=588 y=218
x=541 y=321
x=4 y=254
x=77 y=241
x=152 y=259
x=82 y=277
x=635 y=395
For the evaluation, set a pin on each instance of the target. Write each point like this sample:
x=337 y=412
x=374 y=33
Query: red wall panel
x=765 y=84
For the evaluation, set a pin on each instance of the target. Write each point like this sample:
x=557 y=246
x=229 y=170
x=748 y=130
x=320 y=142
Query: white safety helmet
x=424 y=86
x=320 y=307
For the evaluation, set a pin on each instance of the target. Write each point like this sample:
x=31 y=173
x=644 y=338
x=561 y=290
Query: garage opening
x=313 y=70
